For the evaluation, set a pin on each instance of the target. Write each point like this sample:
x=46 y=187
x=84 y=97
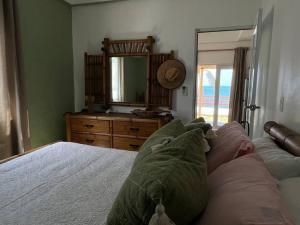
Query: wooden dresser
x=120 y=131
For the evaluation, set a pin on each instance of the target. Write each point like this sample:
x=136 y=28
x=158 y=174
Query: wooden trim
x=68 y=126
x=113 y=116
x=25 y=153
x=106 y=72
x=134 y=47
x=94 y=80
x=128 y=104
x=92 y=133
x=126 y=126
x=170 y=105
x=128 y=41
x=122 y=48
x=81 y=115
x=155 y=95
x=129 y=136
x=127 y=54
x=148 y=92
x=159 y=96
x=111 y=129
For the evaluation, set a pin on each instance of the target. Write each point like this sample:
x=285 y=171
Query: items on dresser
x=121 y=131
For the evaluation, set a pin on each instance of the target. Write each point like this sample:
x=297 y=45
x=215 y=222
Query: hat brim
x=163 y=70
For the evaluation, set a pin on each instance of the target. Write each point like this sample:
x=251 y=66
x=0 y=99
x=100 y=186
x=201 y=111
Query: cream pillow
x=281 y=164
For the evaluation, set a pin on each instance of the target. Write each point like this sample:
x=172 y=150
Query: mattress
x=286 y=168
x=64 y=183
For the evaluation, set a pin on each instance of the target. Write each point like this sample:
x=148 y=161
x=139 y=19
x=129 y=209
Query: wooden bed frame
x=25 y=153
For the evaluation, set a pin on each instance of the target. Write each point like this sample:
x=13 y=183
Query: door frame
x=252 y=92
x=207 y=30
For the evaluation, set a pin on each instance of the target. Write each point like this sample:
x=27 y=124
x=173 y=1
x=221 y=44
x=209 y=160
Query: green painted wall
x=47 y=57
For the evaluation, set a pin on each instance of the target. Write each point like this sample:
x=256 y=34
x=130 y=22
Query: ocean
x=210 y=91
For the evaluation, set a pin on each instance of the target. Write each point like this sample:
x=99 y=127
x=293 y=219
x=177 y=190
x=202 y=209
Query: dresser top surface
x=113 y=116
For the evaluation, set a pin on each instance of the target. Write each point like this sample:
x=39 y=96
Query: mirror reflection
x=128 y=79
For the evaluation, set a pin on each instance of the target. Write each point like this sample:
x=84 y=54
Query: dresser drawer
x=90 y=125
x=136 y=129
x=131 y=144
x=91 y=139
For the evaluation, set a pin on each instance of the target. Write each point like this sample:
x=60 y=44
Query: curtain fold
x=14 y=126
x=238 y=86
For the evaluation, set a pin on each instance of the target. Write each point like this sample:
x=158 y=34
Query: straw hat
x=171 y=74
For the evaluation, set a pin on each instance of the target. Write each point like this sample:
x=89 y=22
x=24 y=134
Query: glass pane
x=116 y=75
x=206 y=93
x=224 y=95
x=129 y=79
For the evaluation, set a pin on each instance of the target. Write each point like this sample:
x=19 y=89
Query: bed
x=281 y=151
x=68 y=183
x=64 y=183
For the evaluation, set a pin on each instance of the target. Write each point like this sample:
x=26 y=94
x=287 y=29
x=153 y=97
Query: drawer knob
x=134 y=129
x=90 y=141
x=89 y=126
x=134 y=146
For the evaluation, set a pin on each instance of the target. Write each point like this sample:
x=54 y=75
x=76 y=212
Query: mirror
x=128 y=79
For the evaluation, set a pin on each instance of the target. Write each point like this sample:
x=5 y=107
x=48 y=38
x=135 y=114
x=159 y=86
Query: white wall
x=172 y=22
x=219 y=57
x=284 y=70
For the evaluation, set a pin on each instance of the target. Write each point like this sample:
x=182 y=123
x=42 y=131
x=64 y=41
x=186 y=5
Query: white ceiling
x=82 y=2
x=225 y=36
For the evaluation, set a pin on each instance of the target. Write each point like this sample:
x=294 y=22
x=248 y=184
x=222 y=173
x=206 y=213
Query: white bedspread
x=64 y=183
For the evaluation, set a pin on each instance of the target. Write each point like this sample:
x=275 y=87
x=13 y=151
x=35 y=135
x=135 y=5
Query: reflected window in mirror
x=129 y=79
x=117 y=73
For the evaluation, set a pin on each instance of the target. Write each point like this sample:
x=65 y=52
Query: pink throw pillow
x=243 y=192
x=230 y=126
x=231 y=142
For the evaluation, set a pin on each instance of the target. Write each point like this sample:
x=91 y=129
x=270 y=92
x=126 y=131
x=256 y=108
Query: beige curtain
x=14 y=128
x=239 y=75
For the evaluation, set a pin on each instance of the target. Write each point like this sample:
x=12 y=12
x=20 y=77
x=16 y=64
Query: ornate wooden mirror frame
x=122 y=48
x=98 y=77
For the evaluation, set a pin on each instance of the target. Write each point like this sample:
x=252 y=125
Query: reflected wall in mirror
x=128 y=79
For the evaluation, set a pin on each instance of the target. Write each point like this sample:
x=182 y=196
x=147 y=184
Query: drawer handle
x=134 y=129
x=89 y=126
x=134 y=146
x=90 y=141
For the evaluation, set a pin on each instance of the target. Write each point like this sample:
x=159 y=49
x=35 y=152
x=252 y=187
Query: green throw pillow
x=174 y=175
x=172 y=129
x=199 y=119
x=204 y=126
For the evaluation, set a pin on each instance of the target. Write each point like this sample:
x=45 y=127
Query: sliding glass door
x=213 y=93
